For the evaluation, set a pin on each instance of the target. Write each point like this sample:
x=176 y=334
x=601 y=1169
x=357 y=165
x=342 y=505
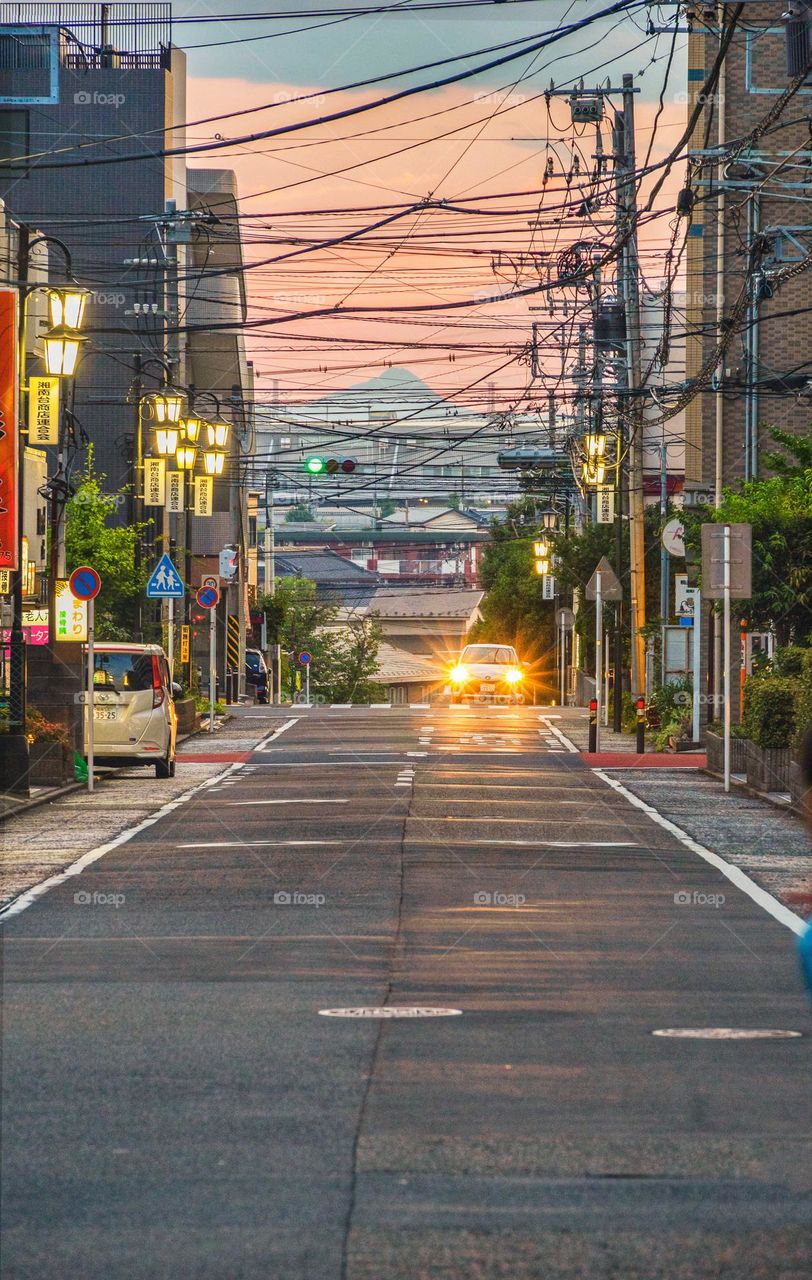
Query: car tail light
x=158 y=691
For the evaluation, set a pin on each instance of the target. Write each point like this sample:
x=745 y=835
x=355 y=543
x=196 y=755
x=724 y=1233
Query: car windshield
x=488 y=653
x=254 y=661
x=124 y=672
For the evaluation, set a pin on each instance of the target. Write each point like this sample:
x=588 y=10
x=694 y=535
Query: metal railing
x=133 y=30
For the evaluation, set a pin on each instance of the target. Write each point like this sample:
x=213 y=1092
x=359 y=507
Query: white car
x=134 y=719
x=488 y=672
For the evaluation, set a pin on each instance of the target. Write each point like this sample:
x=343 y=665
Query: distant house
x=338 y=579
x=433 y=622
x=408 y=678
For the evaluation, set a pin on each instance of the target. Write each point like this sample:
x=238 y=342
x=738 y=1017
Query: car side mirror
x=177 y=690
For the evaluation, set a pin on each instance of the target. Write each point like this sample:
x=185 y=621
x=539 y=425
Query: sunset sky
x=501 y=136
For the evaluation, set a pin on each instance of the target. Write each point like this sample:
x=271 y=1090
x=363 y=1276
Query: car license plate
x=104 y=713
x=487 y=688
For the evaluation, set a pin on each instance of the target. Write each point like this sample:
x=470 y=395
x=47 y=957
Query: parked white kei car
x=134 y=716
x=488 y=672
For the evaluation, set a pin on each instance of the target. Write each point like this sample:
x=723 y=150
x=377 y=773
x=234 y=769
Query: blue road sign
x=207 y=597
x=85 y=583
x=305 y=658
x=165 y=583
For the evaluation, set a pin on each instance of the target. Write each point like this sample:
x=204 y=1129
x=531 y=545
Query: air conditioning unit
x=798 y=37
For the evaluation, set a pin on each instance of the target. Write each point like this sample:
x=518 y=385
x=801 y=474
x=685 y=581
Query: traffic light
x=317 y=466
x=228 y=563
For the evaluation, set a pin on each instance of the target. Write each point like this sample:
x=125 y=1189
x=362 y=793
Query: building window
x=252 y=531
x=14 y=142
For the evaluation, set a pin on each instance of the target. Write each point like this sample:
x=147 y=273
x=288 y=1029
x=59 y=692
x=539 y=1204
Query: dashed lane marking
x=244 y=804
x=390 y=1011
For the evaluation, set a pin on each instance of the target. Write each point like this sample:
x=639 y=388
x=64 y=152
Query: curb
x=38 y=801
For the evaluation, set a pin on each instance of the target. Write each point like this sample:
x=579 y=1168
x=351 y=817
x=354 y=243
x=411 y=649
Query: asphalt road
x=176 y=1105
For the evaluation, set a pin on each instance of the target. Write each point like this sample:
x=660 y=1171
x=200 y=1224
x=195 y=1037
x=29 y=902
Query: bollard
x=593 y=725
x=641 y=725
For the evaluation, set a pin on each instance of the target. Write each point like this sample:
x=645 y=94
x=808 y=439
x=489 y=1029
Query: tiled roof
x=435 y=602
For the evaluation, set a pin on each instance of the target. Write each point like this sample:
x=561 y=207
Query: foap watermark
x=283 y=96
x=84 y=898
x=293 y=898
x=84 y=98
x=102 y=299
x=685 y=699
x=694 y=898
x=488 y=898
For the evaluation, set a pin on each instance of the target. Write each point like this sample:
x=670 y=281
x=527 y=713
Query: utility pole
x=631 y=411
x=17 y=657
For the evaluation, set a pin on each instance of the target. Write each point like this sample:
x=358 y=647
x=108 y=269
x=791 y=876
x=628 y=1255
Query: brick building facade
x=752 y=215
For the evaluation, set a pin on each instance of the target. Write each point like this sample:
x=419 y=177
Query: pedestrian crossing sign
x=165 y=583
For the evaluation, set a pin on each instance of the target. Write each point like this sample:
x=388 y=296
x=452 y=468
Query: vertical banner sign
x=9 y=432
x=154 y=482
x=43 y=411
x=204 y=495
x=184 y=644
x=606 y=505
x=70 y=614
x=548 y=587
x=174 y=491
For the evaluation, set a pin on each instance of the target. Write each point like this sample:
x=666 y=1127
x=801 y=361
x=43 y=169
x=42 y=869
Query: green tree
x=301 y=514
x=779 y=508
x=110 y=549
x=344 y=658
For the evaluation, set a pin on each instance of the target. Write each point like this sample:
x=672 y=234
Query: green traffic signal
x=315 y=466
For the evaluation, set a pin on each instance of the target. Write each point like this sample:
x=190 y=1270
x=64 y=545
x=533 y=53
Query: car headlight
x=513 y=676
x=459 y=675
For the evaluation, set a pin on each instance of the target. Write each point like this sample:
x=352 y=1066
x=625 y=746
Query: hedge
x=770 y=708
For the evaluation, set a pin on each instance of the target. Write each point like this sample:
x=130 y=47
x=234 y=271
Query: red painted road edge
x=631 y=760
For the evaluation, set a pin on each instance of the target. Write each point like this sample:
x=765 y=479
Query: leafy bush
x=769 y=710
x=677 y=727
x=789 y=660
x=803 y=698
x=671 y=701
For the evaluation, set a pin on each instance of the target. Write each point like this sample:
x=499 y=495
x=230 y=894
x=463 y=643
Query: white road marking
x=377 y=706
x=734 y=874
x=419 y=754
x=244 y=804
x=252 y=844
x=276 y=733
x=31 y=895
x=562 y=738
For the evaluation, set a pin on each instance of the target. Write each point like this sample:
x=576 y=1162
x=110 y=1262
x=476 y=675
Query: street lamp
x=61 y=349
x=214 y=461
x=166 y=441
x=185 y=457
x=217 y=433
x=191 y=427
x=66 y=306
x=165 y=406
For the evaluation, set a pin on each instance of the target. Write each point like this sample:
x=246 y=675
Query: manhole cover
x=390 y=1011
x=726 y=1033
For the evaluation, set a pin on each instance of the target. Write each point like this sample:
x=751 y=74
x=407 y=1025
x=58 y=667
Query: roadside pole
x=307 y=685
x=91 y=688
x=696 y=648
x=726 y=644
x=563 y=661
x=170 y=637
x=598 y=656
x=212 y=666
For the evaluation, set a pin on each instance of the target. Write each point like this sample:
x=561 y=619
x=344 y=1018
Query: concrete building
x=749 y=234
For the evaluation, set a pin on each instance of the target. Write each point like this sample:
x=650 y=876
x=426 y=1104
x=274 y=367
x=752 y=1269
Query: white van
x=134 y=713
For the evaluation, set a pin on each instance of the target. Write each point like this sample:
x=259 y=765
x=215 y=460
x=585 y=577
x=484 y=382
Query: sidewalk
x=769 y=843
x=40 y=842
